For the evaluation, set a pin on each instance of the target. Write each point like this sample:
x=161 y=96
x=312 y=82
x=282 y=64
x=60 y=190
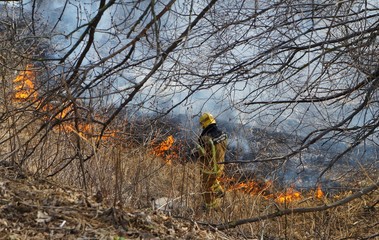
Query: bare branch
x=284 y=212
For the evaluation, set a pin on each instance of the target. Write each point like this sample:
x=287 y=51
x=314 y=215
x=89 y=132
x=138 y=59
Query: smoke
x=65 y=21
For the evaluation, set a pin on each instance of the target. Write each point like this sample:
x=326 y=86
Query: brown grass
x=128 y=175
x=132 y=177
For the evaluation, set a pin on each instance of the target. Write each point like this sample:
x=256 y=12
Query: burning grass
x=130 y=176
x=24 y=91
x=129 y=173
x=24 y=85
x=166 y=150
x=146 y=176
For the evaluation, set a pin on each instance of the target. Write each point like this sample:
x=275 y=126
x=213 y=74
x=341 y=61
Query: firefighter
x=211 y=151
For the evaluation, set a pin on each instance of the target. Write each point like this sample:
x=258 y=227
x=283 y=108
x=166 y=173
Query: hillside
x=40 y=209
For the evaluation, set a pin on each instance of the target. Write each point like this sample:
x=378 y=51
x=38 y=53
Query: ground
x=40 y=209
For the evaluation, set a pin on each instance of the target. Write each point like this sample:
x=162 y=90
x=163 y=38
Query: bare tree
x=309 y=68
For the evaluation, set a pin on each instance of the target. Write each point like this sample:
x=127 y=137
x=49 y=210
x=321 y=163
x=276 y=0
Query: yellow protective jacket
x=212 y=148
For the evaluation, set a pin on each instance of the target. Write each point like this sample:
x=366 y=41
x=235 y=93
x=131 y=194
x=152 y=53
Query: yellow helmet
x=206 y=119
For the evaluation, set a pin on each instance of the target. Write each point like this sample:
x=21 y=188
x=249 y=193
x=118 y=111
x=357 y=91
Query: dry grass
x=128 y=175
x=351 y=221
x=132 y=177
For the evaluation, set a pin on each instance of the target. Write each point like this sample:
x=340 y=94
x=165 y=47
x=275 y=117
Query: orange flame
x=290 y=195
x=164 y=146
x=249 y=187
x=263 y=188
x=319 y=193
x=24 y=86
x=166 y=150
x=25 y=91
x=85 y=131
